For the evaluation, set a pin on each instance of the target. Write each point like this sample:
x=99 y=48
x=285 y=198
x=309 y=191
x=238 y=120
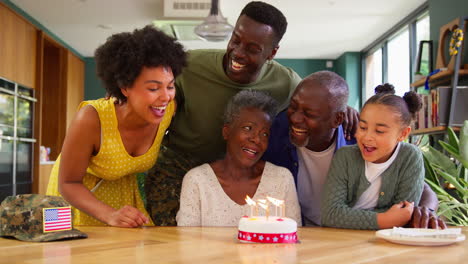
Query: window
x=422 y=29
x=392 y=57
x=398 y=58
x=373 y=71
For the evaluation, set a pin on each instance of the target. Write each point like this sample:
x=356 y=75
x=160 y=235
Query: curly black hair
x=407 y=106
x=121 y=58
x=269 y=15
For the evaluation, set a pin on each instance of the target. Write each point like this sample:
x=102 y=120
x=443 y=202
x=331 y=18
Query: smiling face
x=251 y=44
x=247 y=136
x=150 y=94
x=379 y=132
x=312 y=118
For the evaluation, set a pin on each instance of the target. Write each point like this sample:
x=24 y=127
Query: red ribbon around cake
x=267 y=238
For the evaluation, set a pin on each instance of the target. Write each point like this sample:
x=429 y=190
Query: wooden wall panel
x=38 y=110
x=75 y=85
x=53 y=98
x=18 y=48
x=26 y=54
x=8 y=40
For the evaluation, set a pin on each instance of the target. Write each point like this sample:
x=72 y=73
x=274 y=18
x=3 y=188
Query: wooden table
x=219 y=245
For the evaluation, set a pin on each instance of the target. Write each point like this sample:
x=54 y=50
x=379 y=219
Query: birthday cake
x=273 y=229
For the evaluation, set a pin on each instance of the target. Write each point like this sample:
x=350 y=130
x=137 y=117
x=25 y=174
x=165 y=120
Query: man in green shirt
x=205 y=86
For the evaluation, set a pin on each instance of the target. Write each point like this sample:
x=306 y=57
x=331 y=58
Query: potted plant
x=447 y=174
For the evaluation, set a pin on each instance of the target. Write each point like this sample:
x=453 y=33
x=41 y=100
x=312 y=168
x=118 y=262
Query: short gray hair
x=250 y=99
x=336 y=86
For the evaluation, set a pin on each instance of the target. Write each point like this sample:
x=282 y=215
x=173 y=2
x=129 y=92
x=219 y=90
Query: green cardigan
x=346 y=181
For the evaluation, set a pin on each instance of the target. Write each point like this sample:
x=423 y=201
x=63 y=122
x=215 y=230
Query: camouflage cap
x=21 y=216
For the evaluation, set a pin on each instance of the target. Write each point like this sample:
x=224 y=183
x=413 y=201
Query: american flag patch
x=56 y=219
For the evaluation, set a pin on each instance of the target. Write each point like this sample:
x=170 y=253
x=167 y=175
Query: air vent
x=180 y=29
x=187 y=8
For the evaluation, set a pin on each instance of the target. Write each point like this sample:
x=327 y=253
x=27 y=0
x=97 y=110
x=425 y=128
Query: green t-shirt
x=203 y=91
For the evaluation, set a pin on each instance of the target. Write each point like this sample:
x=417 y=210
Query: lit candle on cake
x=283 y=208
x=251 y=203
x=260 y=201
x=264 y=205
x=275 y=202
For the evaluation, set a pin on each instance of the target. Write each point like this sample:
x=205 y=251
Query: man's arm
x=424 y=215
x=350 y=122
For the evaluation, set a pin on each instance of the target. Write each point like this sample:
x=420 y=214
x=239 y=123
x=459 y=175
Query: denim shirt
x=283 y=153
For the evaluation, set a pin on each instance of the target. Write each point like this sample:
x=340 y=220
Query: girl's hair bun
x=385 y=88
x=413 y=101
x=407 y=106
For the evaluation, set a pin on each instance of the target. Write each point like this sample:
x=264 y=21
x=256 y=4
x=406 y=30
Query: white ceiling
x=317 y=29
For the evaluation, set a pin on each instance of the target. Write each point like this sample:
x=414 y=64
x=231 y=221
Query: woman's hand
x=127 y=216
x=398 y=215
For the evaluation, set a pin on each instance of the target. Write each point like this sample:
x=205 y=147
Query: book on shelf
x=436 y=107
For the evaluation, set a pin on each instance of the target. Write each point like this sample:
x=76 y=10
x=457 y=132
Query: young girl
x=375 y=184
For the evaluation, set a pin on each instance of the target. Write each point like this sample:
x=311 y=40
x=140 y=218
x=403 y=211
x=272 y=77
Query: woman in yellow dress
x=113 y=138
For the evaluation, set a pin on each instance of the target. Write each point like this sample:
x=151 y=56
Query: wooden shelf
x=439 y=75
x=432 y=130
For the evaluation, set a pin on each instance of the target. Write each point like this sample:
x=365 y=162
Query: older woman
x=214 y=194
x=112 y=139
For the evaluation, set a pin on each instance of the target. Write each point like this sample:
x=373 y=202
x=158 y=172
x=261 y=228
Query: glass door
x=6 y=168
x=7 y=108
x=16 y=138
x=25 y=142
x=7 y=134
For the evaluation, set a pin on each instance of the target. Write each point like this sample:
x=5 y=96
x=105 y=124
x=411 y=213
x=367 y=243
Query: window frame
x=409 y=22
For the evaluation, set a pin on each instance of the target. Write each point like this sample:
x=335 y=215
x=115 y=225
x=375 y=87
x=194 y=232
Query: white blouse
x=373 y=171
x=203 y=201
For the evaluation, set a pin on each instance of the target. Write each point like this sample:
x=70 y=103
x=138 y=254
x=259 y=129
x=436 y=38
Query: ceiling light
x=215 y=27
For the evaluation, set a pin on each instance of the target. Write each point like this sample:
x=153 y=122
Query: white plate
x=418 y=241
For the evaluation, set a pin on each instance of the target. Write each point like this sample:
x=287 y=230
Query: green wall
x=442 y=12
x=348 y=66
x=304 y=67
x=93 y=86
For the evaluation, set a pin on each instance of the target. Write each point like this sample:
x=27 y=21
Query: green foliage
x=447 y=174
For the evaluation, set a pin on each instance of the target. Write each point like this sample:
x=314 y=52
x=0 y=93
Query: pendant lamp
x=215 y=27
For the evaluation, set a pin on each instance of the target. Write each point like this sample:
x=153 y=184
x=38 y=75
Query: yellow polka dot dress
x=113 y=165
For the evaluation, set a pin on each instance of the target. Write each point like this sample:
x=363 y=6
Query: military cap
x=37 y=218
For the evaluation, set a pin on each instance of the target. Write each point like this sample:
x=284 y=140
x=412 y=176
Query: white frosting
x=260 y=224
